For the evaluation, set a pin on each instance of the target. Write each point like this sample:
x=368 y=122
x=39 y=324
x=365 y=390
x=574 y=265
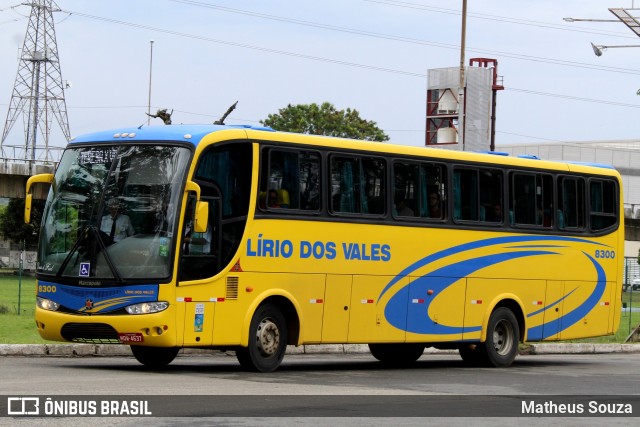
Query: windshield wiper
x=93 y=251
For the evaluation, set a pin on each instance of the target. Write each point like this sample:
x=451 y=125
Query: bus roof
x=185 y=133
x=193 y=134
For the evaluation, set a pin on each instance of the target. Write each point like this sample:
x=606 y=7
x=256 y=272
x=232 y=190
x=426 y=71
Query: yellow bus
x=245 y=239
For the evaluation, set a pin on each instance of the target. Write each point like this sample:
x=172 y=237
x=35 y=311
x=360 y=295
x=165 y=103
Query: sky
x=368 y=55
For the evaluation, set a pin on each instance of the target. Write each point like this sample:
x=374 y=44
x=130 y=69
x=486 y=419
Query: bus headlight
x=47 y=304
x=147 y=307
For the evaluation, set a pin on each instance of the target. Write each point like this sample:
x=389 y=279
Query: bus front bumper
x=145 y=329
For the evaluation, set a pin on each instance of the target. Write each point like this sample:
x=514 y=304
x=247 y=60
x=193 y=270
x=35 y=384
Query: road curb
x=105 y=350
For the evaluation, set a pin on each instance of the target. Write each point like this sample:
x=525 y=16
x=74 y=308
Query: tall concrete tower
x=38 y=92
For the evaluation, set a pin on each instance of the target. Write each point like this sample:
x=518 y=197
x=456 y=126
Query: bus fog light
x=159 y=330
x=47 y=304
x=147 y=307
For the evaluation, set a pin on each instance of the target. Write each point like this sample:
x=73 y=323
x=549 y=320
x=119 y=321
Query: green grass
x=10 y=298
x=632 y=299
x=623 y=331
x=20 y=328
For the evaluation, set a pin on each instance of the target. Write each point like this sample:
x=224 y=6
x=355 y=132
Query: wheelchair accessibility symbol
x=85 y=267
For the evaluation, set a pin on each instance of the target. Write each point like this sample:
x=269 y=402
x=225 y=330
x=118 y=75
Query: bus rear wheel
x=397 y=354
x=154 y=357
x=267 y=341
x=474 y=354
x=503 y=336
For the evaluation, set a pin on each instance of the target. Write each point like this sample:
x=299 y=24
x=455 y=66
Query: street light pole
x=599 y=49
x=462 y=41
x=150 y=70
x=461 y=101
x=588 y=20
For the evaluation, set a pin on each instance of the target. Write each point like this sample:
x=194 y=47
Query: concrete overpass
x=14 y=174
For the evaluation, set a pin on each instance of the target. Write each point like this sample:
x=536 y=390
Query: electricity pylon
x=38 y=92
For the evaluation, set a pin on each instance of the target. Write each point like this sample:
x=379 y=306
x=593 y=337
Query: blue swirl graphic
x=476 y=245
x=551 y=328
x=416 y=317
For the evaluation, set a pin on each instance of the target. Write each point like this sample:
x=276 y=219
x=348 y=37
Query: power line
x=339 y=62
x=405 y=5
x=408 y=5
x=574 y=98
x=409 y=39
x=528 y=136
x=407 y=73
x=247 y=46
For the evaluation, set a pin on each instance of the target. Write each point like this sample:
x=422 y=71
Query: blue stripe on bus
x=97 y=300
x=417 y=319
x=553 y=304
x=551 y=328
x=476 y=245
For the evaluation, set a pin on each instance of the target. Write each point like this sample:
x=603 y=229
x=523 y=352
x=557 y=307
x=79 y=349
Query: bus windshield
x=112 y=212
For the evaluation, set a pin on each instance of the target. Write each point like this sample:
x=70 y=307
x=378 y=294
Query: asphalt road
x=306 y=385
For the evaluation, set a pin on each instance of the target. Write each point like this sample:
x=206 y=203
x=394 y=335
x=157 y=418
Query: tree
x=325 y=120
x=12 y=226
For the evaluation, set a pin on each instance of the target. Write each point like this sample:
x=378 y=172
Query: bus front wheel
x=154 y=357
x=503 y=336
x=397 y=354
x=267 y=341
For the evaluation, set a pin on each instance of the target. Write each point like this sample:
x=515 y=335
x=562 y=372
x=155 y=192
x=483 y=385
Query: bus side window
x=491 y=191
x=523 y=198
x=571 y=202
x=434 y=180
x=465 y=194
x=603 y=204
x=294 y=176
x=357 y=185
x=477 y=194
x=531 y=197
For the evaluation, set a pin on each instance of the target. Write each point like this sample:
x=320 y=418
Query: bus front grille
x=96 y=333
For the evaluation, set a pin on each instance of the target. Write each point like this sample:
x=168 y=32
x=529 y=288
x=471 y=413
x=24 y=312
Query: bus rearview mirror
x=202 y=217
x=45 y=178
x=27 y=208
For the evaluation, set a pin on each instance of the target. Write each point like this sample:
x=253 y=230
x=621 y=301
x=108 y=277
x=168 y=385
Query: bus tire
x=267 y=340
x=503 y=337
x=154 y=357
x=474 y=354
x=397 y=354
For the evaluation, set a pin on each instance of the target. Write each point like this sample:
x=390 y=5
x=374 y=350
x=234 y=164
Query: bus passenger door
x=337 y=308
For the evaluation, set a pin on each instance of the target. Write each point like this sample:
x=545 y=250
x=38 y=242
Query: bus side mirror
x=46 y=178
x=202 y=217
x=202 y=209
x=27 y=208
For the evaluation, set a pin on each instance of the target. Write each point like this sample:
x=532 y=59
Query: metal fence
x=17 y=290
x=631 y=271
x=630 y=294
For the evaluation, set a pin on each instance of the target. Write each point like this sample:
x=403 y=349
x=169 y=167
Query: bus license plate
x=130 y=337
